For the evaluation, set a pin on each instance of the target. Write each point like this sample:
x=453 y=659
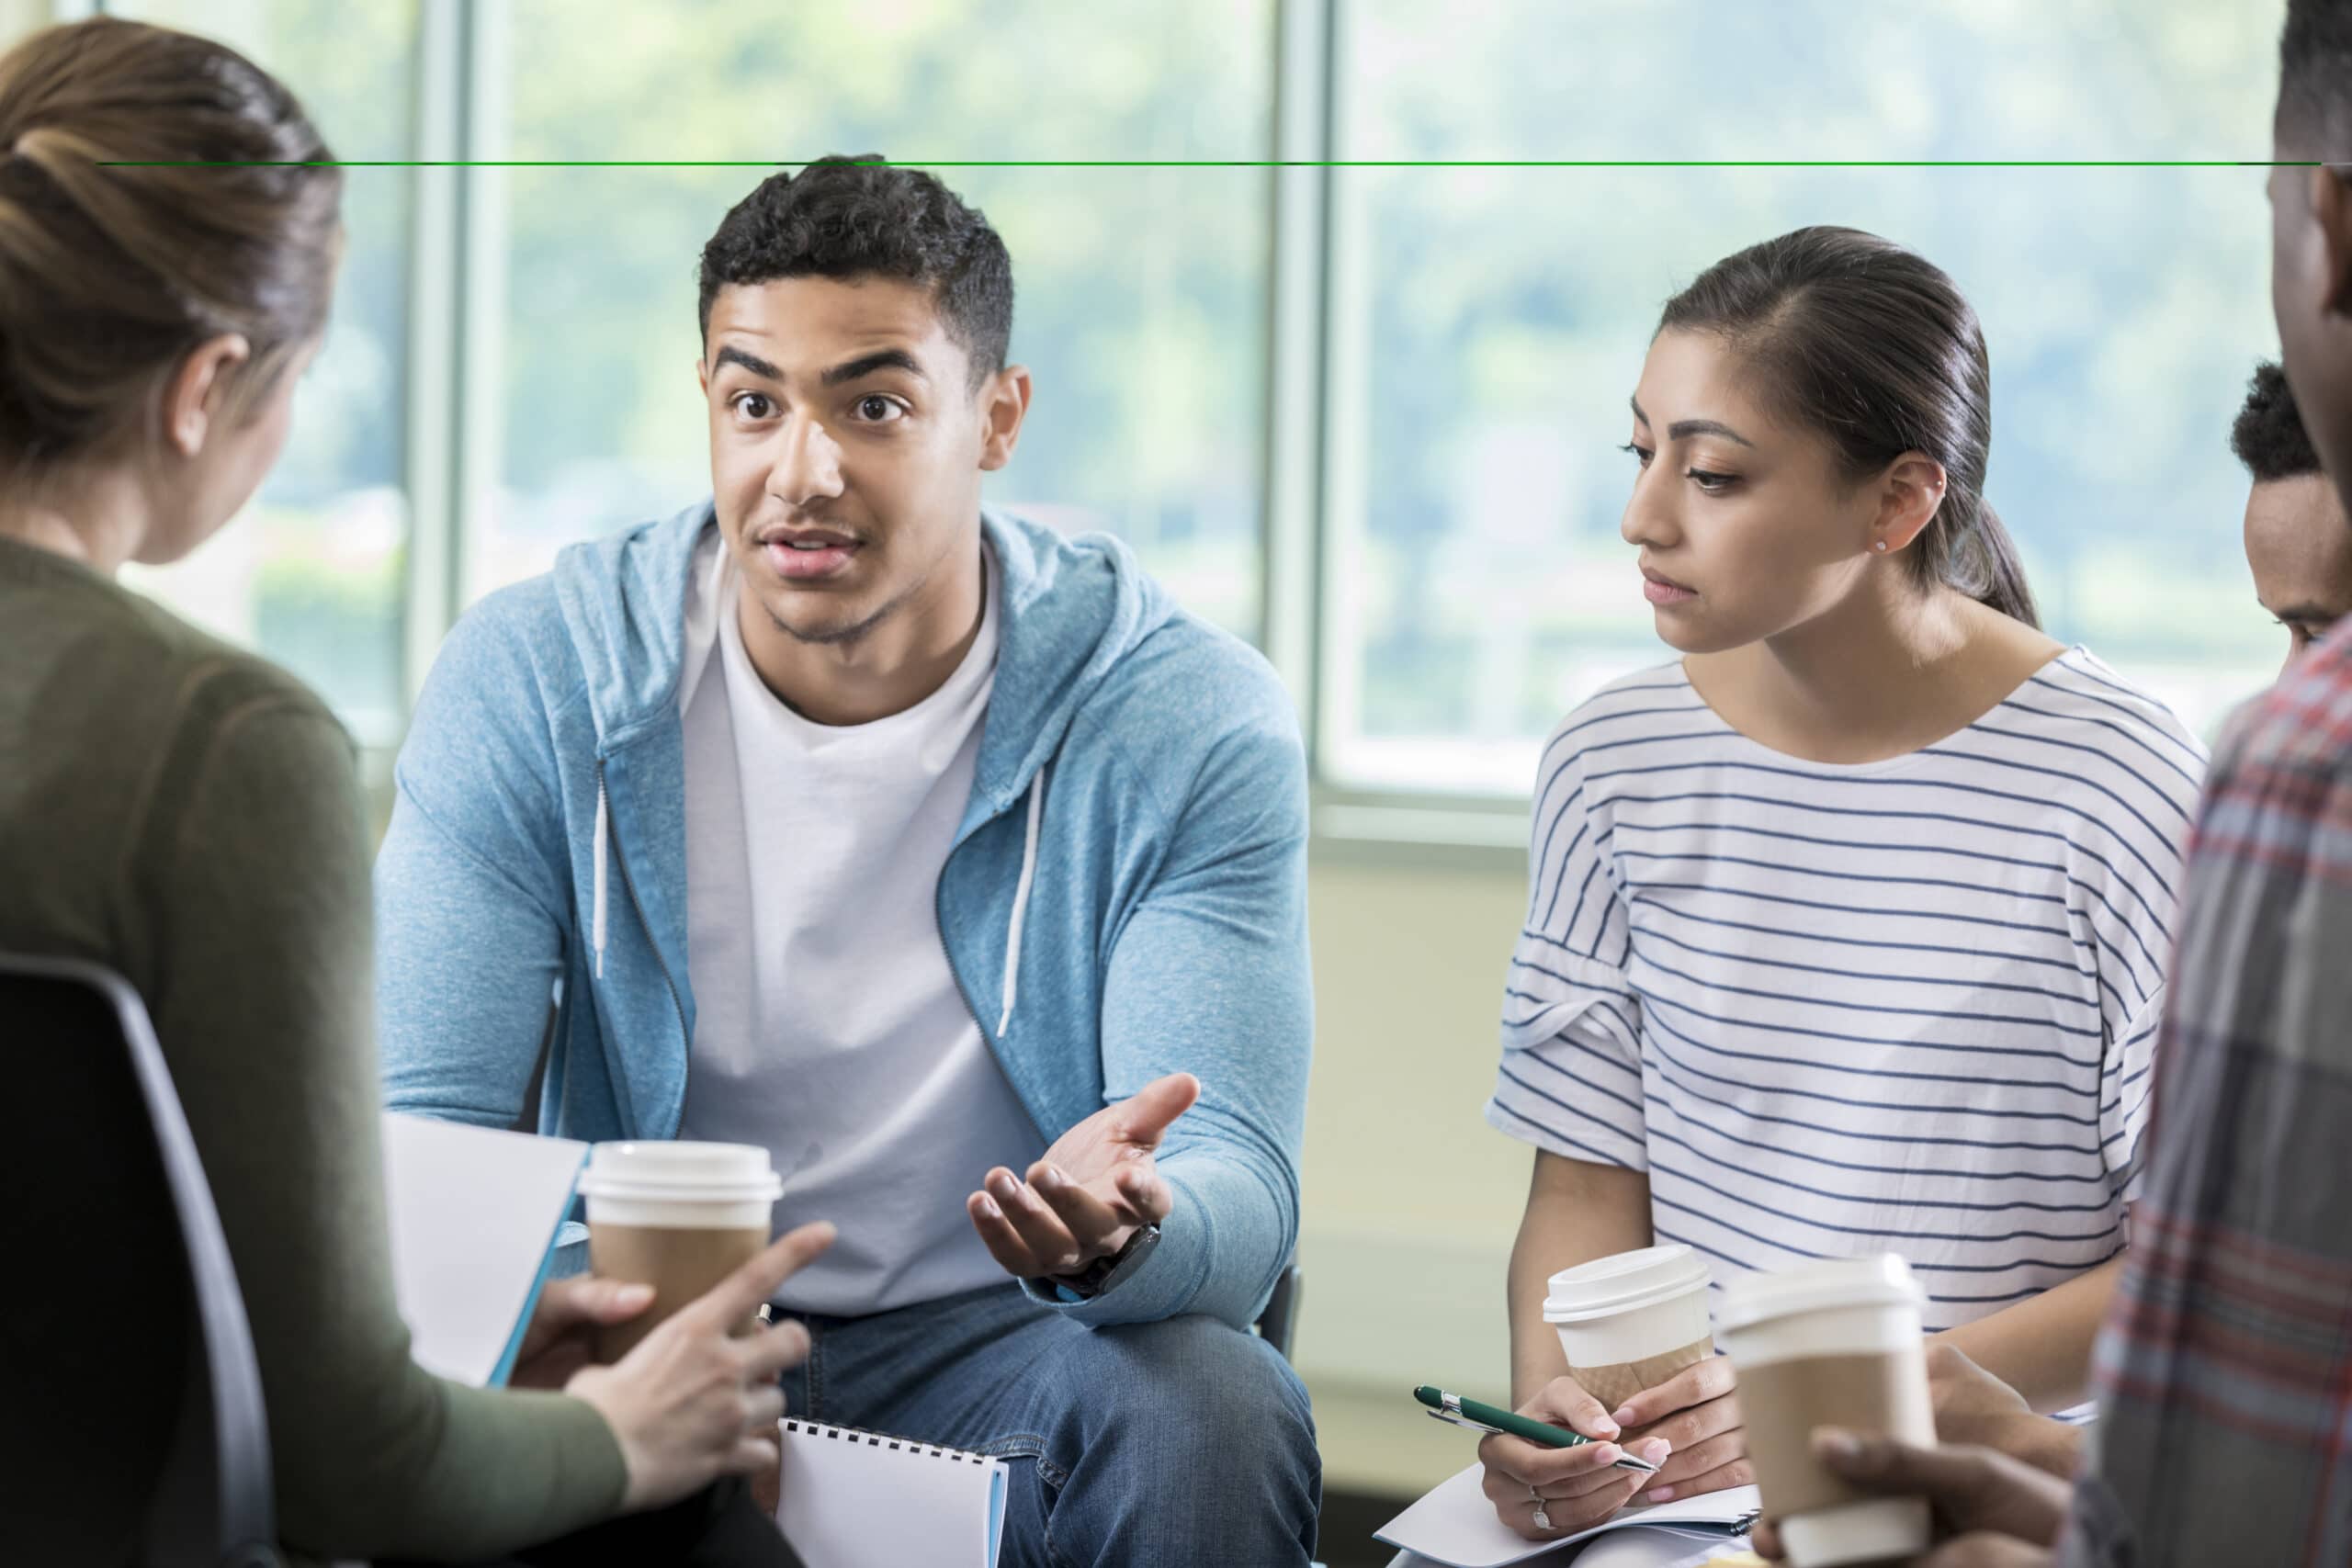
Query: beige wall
x=1411 y=1200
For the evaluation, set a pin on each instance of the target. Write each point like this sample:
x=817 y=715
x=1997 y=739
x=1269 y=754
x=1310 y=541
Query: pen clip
x=1453 y=1416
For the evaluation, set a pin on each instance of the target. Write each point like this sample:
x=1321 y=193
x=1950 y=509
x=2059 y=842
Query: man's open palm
x=1096 y=1186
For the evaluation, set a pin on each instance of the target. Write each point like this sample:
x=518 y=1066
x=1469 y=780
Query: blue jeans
x=1155 y=1445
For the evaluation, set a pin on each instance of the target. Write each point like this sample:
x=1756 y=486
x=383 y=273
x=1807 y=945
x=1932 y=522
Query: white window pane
x=1141 y=293
x=1490 y=323
x=310 y=573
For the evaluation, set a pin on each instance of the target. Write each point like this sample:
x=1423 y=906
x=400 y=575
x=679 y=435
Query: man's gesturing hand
x=1091 y=1192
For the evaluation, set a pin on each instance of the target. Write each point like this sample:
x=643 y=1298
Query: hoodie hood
x=1072 y=608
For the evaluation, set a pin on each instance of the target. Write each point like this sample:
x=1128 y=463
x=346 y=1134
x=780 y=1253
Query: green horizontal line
x=1231 y=164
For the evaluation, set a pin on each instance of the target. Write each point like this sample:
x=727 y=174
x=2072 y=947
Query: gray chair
x=1279 y=1319
x=133 y=1424
x=1276 y=1323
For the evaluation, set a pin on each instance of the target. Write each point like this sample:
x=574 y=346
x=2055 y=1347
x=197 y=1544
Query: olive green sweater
x=188 y=815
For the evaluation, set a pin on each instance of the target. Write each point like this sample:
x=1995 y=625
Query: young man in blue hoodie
x=940 y=855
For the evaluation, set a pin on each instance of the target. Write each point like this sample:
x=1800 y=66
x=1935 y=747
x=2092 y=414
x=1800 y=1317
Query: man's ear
x=1004 y=403
x=2332 y=211
x=702 y=376
x=1909 y=493
x=191 y=398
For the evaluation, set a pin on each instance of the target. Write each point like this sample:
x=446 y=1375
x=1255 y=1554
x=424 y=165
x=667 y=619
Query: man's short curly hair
x=2269 y=436
x=856 y=217
x=2314 y=55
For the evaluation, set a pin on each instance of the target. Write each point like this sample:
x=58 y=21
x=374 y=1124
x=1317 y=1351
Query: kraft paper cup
x=678 y=1216
x=1834 y=1342
x=1632 y=1320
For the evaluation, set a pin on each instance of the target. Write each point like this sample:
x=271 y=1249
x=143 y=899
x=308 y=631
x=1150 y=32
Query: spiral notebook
x=851 y=1499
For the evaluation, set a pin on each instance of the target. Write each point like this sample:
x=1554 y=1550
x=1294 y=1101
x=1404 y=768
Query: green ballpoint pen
x=1480 y=1417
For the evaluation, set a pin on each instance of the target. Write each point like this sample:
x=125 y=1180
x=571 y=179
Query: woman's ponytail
x=1984 y=564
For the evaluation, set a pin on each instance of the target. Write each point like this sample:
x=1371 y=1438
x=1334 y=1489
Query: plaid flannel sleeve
x=2226 y=1368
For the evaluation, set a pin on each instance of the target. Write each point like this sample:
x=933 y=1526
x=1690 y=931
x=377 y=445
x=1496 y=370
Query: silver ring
x=1543 y=1519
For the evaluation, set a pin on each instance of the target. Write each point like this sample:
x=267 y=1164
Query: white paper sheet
x=851 y=1500
x=1454 y=1526
x=473 y=1218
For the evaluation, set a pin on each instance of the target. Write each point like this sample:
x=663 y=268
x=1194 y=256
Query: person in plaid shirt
x=2225 y=1365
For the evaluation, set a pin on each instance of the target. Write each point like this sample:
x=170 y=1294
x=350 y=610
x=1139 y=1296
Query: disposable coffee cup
x=1632 y=1320
x=1831 y=1343
x=677 y=1216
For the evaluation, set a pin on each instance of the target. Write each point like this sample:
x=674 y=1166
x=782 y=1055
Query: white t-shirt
x=827 y=1027
x=1908 y=1006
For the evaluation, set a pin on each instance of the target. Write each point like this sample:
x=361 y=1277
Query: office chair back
x=133 y=1420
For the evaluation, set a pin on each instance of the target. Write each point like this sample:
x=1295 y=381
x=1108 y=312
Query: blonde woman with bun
x=186 y=815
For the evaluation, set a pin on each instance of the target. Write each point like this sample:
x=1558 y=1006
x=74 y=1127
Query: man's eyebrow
x=751 y=362
x=1683 y=429
x=867 y=364
x=2311 y=610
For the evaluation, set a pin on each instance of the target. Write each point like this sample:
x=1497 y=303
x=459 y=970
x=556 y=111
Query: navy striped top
x=1904 y=1005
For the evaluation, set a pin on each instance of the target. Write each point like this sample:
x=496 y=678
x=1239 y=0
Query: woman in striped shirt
x=1847 y=932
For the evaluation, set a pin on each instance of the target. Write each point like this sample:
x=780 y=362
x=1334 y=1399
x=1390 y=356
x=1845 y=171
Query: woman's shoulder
x=104 y=655
x=1657 y=691
x=2078 y=748
x=1628 y=707
x=205 y=687
x=2076 y=698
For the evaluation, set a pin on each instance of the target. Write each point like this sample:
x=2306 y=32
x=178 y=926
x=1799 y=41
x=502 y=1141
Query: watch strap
x=1109 y=1270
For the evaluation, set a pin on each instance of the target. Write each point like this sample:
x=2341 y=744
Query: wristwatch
x=1107 y=1271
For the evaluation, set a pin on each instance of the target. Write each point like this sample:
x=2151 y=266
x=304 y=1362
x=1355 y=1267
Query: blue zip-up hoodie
x=1126 y=896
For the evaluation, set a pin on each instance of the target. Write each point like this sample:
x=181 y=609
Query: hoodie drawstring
x=596 y=915
x=1021 y=903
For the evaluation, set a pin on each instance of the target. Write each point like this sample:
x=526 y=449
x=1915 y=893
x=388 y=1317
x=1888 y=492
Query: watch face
x=1132 y=1253
x=1105 y=1271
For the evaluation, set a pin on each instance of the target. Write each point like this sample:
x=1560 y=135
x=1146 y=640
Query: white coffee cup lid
x=1880 y=1280
x=1623 y=1281
x=681 y=1171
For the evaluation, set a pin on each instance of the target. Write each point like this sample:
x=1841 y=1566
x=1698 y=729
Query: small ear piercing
x=1880 y=545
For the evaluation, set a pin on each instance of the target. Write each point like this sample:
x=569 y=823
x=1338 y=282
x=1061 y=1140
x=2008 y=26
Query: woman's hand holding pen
x=1545 y=1493
x=1698 y=1411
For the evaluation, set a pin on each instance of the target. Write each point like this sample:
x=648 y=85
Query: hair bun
x=109 y=276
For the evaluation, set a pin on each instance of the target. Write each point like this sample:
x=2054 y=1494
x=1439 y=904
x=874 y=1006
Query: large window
x=313 y=575
x=1141 y=298
x=510 y=363
x=1489 y=323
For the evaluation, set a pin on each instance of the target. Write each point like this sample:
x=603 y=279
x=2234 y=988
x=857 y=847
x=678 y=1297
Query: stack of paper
x=1456 y=1527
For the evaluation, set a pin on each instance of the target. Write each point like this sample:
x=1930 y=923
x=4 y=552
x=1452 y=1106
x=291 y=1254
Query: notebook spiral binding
x=793 y=1423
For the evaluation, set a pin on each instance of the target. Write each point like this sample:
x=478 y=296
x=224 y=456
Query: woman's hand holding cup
x=693 y=1400
x=1696 y=1411
x=1572 y=1489
x=561 y=1338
